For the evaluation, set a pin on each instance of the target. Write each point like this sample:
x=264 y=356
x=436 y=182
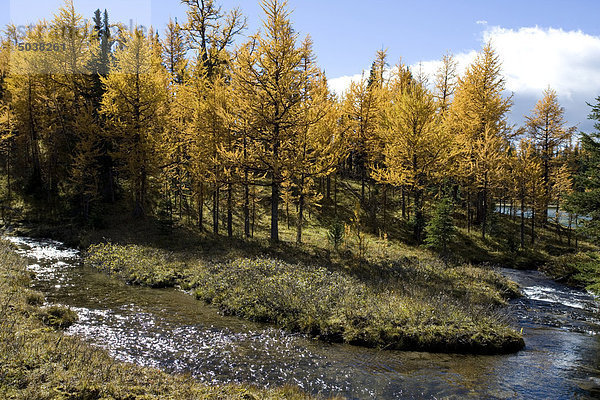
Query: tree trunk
x=36 y=178
x=253 y=211
x=570 y=230
x=484 y=207
x=373 y=206
x=419 y=219
x=576 y=234
x=403 y=204
x=274 y=210
x=8 y=173
x=216 y=195
x=532 y=224
x=362 y=187
x=230 y=210
x=546 y=191
x=335 y=191
x=246 y=207
x=558 y=227
x=287 y=214
x=384 y=210
x=468 y=211
x=522 y=221
x=138 y=210
x=300 y=217
x=201 y=208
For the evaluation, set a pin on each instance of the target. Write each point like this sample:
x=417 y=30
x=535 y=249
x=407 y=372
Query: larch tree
x=211 y=31
x=362 y=105
x=26 y=87
x=416 y=149
x=478 y=121
x=7 y=120
x=197 y=149
x=318 y=144
x=445 y=82
x=562 y=188
x=526 y=173
x=7 y=140
x=546 y=127
x=134 y=104
x=175 y=47
x=70 y=99
x=269 y=77
x=84 y=176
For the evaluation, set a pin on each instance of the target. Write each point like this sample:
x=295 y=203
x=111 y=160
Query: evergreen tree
x=587 y=201
x=440 y=229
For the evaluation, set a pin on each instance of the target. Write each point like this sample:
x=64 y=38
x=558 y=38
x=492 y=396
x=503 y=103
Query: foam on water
x=551 y=295
x=45 y=249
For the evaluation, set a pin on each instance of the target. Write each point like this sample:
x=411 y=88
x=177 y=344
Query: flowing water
x=170 y=330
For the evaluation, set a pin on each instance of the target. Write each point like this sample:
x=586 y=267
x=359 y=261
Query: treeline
x=189 y=125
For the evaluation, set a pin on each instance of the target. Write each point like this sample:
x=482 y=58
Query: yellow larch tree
x=477 y=121
x=134 y=104
x=445 y=82
x=547 y=130
x=318 y=142
x=526 y=173
x=416 y=149
x=268 y=79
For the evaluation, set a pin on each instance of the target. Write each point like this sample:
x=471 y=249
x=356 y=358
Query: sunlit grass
x=419 y=305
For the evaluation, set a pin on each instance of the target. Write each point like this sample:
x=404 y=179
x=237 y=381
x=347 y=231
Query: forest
x=219 y=161
x=190 y=129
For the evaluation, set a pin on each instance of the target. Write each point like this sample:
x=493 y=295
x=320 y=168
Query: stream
x=170 y=330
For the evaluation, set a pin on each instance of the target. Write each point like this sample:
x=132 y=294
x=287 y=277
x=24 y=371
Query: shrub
x=58 y=317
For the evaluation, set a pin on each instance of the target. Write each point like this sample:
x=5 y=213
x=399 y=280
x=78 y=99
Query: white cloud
x=532 y=59
x=341 y=84
x=481 y=22
x=535 y=58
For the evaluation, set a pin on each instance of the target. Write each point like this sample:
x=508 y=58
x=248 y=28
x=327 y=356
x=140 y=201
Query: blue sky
x=541 y=42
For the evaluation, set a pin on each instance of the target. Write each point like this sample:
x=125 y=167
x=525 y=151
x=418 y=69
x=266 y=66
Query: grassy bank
x=409 y=305
x=37 y=361
x=580 y=269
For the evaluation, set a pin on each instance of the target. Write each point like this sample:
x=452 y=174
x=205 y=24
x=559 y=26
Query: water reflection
x=170 y=330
